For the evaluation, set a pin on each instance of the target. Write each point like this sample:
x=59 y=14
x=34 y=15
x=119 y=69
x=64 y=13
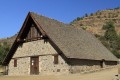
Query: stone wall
x=45 y=52
x=23 y=67
x=85 y=66
x=47 y=66
x=46 y=61
x=80 y=66
x=34 y=48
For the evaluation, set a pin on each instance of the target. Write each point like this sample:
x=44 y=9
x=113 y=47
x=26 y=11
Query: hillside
x=94 y=22
x=5 y=44
x=9 y=40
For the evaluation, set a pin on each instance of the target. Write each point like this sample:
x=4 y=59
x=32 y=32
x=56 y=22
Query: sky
x=14 y=12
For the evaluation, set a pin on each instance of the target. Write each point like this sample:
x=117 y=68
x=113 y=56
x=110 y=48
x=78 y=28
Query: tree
x=111 y=38
x=78 y=18
x=4 y=48
x=91 y=14
x=116 y=53
x=110 y=33
x=117 y=8
x=118 y=42
x=86 y=15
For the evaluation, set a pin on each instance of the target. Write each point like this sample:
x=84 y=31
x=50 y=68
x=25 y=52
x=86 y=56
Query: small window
x=55 y=59
x=15 y=62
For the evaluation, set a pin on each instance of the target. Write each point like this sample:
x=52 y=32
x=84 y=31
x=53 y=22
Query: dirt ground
x=108 y=74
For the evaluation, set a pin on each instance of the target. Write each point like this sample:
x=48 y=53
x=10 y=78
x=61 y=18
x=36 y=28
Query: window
x=55 y=59
x=15 y=62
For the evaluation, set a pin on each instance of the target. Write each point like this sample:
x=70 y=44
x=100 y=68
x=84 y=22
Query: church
x=46 y=46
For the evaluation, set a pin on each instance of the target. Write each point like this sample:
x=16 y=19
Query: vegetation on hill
x=5 y=45
x=110 y=39
x=4 y=48
x=94 y=22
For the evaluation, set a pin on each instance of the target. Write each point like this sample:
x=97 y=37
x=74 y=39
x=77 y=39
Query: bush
x=84 y=27
x=86 y=15
x=116 y=53
x=110 y=39
x=110 y=33
x=91 y=14
x=4 y=48
x=98 y=16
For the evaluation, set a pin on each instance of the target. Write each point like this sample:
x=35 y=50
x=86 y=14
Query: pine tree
x=110 y=33
x=86 y=15
x=111 y=38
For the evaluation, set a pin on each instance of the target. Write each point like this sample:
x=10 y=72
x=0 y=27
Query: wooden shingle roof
x=74 y=43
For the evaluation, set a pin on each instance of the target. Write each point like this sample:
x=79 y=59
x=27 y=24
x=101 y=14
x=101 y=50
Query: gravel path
x=108 y=74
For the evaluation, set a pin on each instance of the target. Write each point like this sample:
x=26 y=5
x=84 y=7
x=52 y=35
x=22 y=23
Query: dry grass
x=102 y=75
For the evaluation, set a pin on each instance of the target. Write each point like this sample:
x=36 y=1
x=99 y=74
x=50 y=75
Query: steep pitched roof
x=74 y=43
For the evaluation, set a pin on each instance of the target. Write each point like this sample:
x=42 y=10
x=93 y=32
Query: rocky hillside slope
x=94 y=22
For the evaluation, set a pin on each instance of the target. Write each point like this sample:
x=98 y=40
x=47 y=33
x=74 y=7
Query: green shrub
x=4 y=48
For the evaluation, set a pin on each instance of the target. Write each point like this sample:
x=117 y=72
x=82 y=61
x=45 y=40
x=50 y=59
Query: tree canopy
x=110 y=33
x=111 y=39
x=4 y=48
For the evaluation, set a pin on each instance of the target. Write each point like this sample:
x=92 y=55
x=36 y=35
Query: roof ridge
x=34 y=13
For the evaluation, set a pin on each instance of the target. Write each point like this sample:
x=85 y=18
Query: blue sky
x=14 y=12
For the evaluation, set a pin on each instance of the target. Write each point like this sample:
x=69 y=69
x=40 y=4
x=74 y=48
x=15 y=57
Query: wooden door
x=101 y=64
x=34 y=68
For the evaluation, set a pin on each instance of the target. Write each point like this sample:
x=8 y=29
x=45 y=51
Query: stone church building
x=46 y=46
